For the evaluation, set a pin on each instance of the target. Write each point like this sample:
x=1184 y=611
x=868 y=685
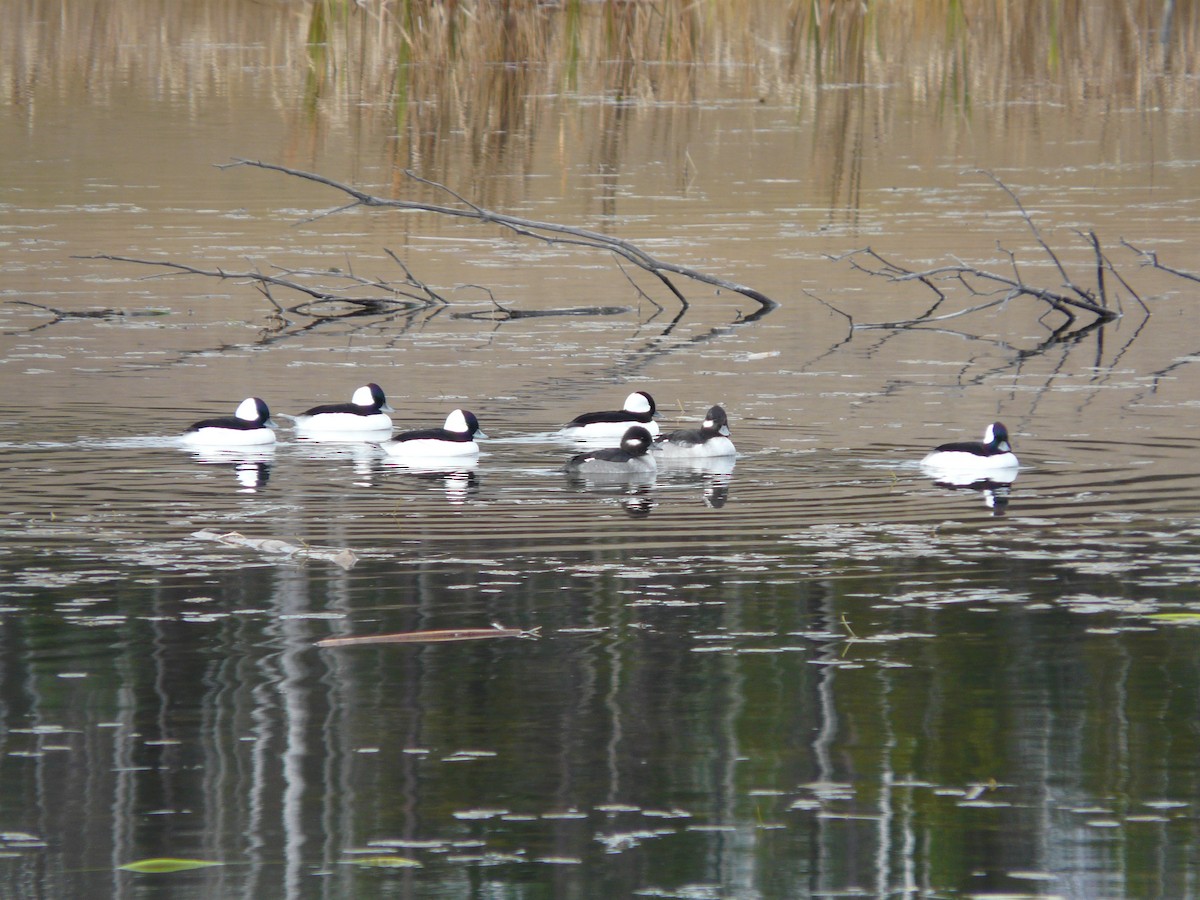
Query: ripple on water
x=135 y=501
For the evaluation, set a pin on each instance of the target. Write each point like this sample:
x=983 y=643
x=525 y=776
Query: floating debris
x=344 y=557
x=166 y=865
x=383 y=862
x=426 y=637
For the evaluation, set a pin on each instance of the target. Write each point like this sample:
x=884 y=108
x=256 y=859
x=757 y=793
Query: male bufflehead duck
x=989 y=458
x=251 y=424
x=711 y=440
x=631 y=458
x=638 y=410
x=455 y=438
x=366 y=411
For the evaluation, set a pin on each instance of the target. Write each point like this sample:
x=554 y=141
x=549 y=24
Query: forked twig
x=393 y=296
x=1150 y=258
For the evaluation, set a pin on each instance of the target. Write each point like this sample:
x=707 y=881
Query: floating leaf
x=385 y=862
x=1185 y=618
x=417 y=637
x=167 y=864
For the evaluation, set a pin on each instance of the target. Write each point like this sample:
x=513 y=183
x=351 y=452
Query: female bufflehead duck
x=250 y=424
x=638 y=410
x=711 y=440
x=366 y=411
x=989 y=458
x=631 y=458
x=455 y=438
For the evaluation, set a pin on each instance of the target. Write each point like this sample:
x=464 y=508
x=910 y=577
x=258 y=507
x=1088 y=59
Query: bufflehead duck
x=638 y=410
x=366 y=411
x=711 y=440
x=250 y=424
x=989 y=458
x=455 y=438
x=632 y=457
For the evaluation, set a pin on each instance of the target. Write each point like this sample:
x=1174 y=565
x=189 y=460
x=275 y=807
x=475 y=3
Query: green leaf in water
x=385 y=862
x=168 y=864
x=1184 y=618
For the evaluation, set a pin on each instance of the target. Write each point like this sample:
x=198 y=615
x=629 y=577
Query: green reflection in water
x=716 y=725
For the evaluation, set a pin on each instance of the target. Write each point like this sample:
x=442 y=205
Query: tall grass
x=671 y=50
x=638 y=50
x=485 y=74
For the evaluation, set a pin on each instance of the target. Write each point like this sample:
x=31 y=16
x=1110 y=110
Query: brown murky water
x=818 y=673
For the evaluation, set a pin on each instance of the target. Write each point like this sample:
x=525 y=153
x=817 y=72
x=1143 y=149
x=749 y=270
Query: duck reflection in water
x=635 y=496
x=716 y=490
x=714 y=475
x=366 y=461
x=639 y=503
x=251 y=465
x=995 y=490
x=457 y=477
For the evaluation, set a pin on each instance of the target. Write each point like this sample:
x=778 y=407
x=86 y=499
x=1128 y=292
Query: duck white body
x=710 y=441
x=456 y=438
x=632 y=457
x=249 y=426
x=612 y=424
x=366 y=412
x=989 y=459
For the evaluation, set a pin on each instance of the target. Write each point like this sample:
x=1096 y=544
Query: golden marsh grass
x=485 y=81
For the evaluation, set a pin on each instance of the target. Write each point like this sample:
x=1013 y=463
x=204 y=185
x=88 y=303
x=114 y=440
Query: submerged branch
x=1150 y=258
x=409 y=294
x=343 y=557
x=63 y=315
x=547 y=232
x=991 y=288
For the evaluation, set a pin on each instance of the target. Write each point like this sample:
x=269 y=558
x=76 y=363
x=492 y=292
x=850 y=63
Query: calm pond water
x=816 y=674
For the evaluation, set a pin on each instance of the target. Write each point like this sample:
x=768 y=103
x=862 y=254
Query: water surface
x=814 y=674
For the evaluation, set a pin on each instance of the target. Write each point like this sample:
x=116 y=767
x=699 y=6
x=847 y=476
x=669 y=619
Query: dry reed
x=495 y=73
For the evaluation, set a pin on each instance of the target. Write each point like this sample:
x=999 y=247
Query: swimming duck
x=982 y=459
x=710 y=440
x=455 y=438
x=638 y=410
x=249 y=425
x=632 y=457
x=366 y=411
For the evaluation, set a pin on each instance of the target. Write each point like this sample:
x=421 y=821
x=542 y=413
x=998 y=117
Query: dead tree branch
x=1150 y=258
x=989 y=288
x=547 y=232
x=383 y=296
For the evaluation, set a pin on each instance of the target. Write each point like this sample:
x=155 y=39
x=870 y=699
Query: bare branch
x=922 y=320
x=1083 y=294
x=393 y=296
x=429 y=292
x=1100 y=265
x=833 y=309
x=1150 y=258
x=986 y=284
x=639 y=290
x=548 y=232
